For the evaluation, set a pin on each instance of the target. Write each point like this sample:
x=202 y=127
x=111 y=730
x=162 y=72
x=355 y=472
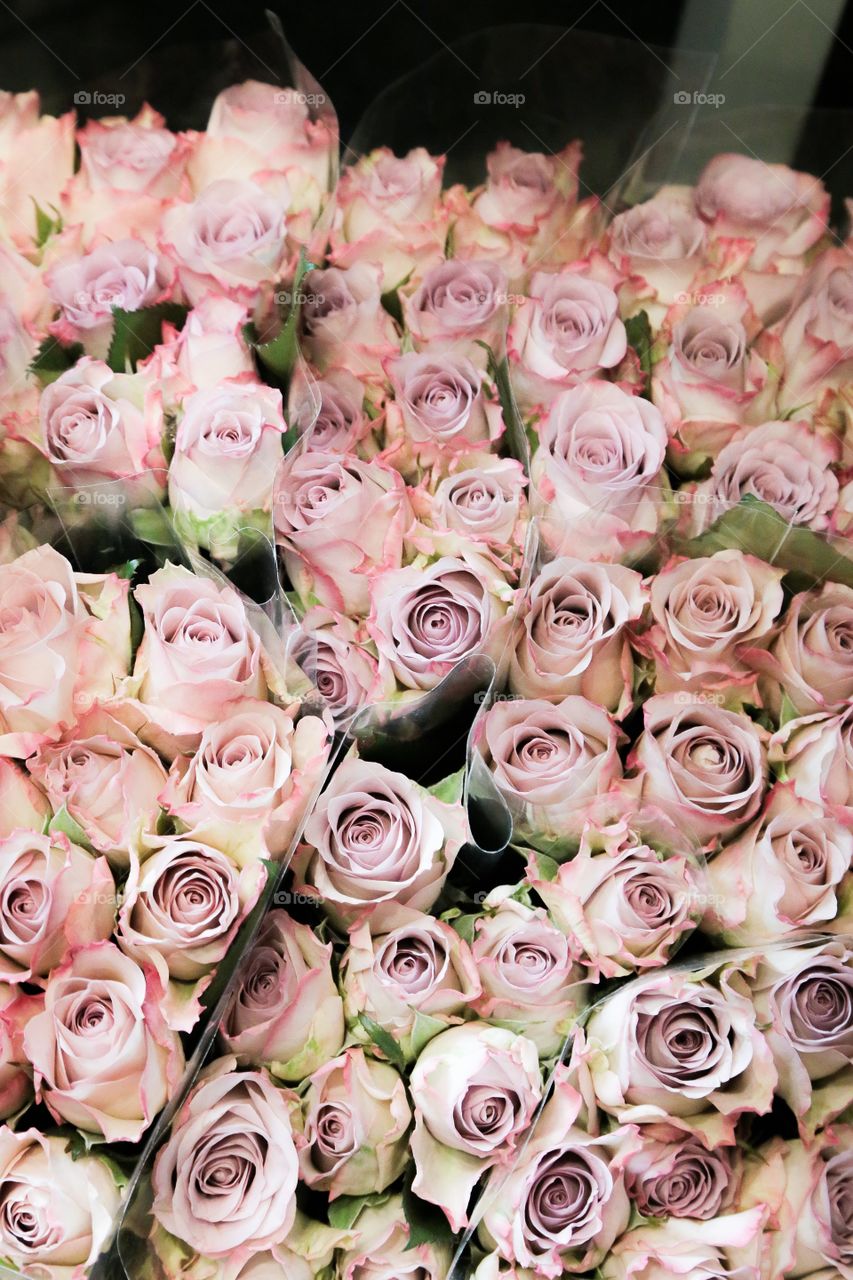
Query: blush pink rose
x=276 y=125
x=660 y=246
x=209 y=349
x=479 y=502
x=704 y=1250
x=441 y=405
x=816 y=337
x=343 y=321
x=384 y=1248
x=332 y=652
x=36 y=162
x=816 y=752
x=809 y=663
x=330 y=413
x=458 y=303
x=670 y=1177
x=135 y=157
x=121 y=273
x=22 y=803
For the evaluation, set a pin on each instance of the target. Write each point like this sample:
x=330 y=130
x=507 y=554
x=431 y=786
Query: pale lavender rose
x=426 y=618
x=287 y=1014
x=135 y=157
x=707 y=1249
x=227 y=447
x=276 y=130
x=704 y=764
x=22 y=803
x=660 y=246
x=58 y=1212
x=210 y=348
x=332 y=652
x=330 y=412
x=816 y=338
x=597 y=473
x=103 y=1059
x=817 y=754
x=382 y=1248
x=123 y=274
x=480 y=502
x=532 y=983
x=344 y=324
x=526 y=189
x=442 y=405
x=106 y=780
x=808 y=666
x=225 y=1181
x=338 y=520
x=375 y=836
x=548 y=759
x=789 y=870
x=457 y=304
x=409 y=973
x=575 y=634
x=356 y=1119
x=707 y=615
x=475 y=1090
x=671 y=1176
x=566 y=331
x=564 y=1203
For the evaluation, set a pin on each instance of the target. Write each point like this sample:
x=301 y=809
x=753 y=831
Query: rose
x=275 y=124
x=781 y=463
x=374 y=836
x=574 y=638
x=331 y=652
x=137 y=157
x=562 y=1205
x=660 y=244
x=670 y=1176
x=816 y=337
x=36 y=161
x=99 y=426
x=475 y=1089
x=782 y=212
x=671 y=1045
x=788 y=870
x=426 y=618
x=706 y=614
x=626 y=904
x=531 y=983
x=287 y=1013
x=403 y=968
x=356 y=1119
x=338 y=519
x=564 y=332
x=803 y=997
x=123 y=274
x=53 y=897
x=225 y=1181
x=596 y=472
x=817 y=753
x=809 y=664
x=16 y=1086
x=209 y=349
x=105 y=779
x=383 y=1248
x=230 y=240
x=343 y=320
x=481 y=502
x=22 y=804
x=704 y=763
x=338 y=423
x=702 y=1250
x=441 y=405
x=457 y=304
x=227 y=446
x=198 y=653
x=58 y=1212
x=547 y=759
x=102 y=1057
x=180 y=914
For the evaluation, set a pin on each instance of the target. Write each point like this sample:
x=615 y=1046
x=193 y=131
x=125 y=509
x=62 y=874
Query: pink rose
x=479 y=502
x=705 y=1250
x=524 y=188
x=209 y=349
x=36 y=161
x=122 y=273
x=670 y=1177
x=16 y=1085
x=597 y=472
x=232 y=1133
x=286 y=1014
x=330 y=412
x=383 y=1248
x=343 y=320
x=574 y=637
x=103 y=1059
x=817 y=754
x=441 y=405
x=816 y=337
x=276 y=124
x=457 y=304
x=135 y=157
x=338 y=520
x=332 y=653
x=809 y=663
x=660 y=246
x=22 y=803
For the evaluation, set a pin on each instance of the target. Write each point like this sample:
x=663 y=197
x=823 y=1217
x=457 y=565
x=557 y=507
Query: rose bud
x=817 y=754
x=338 y=521
x=670 y=1045
x=180 y=914
x=59 y=1211
x=286 y=1014
x=123 y=274
x=375 y=836
x=548 y=759
x=702 y=1250
x=660 y=246
x=383 y=1250
x=344 y=324
x=531 y=981
x=248 y=785
x=107 y=781
x=817 y=338
x=809 y=664
x=574 y=638
x=232 y=1133
x=804 y=999
x=480 y=503
x=227 y=447
x=198 y=652
x=706 y=616
x=442 y=407
x=22 y=803
x=332 y=652
x=705 y=765
x=678 y=1177
x=64 y=641
x=563 y=1203
x=53 y=897
x=103 y=1059
x=408 y=972
x=356 y=1120
x=566 y=331
x=457 y=304
x=427 y=617
x=788 y=870
x=597 y=473
x=475 y=1090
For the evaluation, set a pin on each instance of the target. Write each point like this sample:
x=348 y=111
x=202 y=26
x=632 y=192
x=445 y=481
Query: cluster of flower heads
x=610 y=453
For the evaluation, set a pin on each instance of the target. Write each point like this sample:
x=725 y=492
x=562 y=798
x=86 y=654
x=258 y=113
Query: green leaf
x=344 y=1211
x=464 y=926
x=450 y=788
x=280 y=354
x=427 y=1224
x=787 y=711
x=46 y=226
x=757 y=529
x=151 y=525
x=391 y=300
x=639 y=333
x=126 y=570
x=137 y=333
x=62 y=821
x=548 y=868
x=424 y=1029
x=53 y=358
x=383 y=1040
